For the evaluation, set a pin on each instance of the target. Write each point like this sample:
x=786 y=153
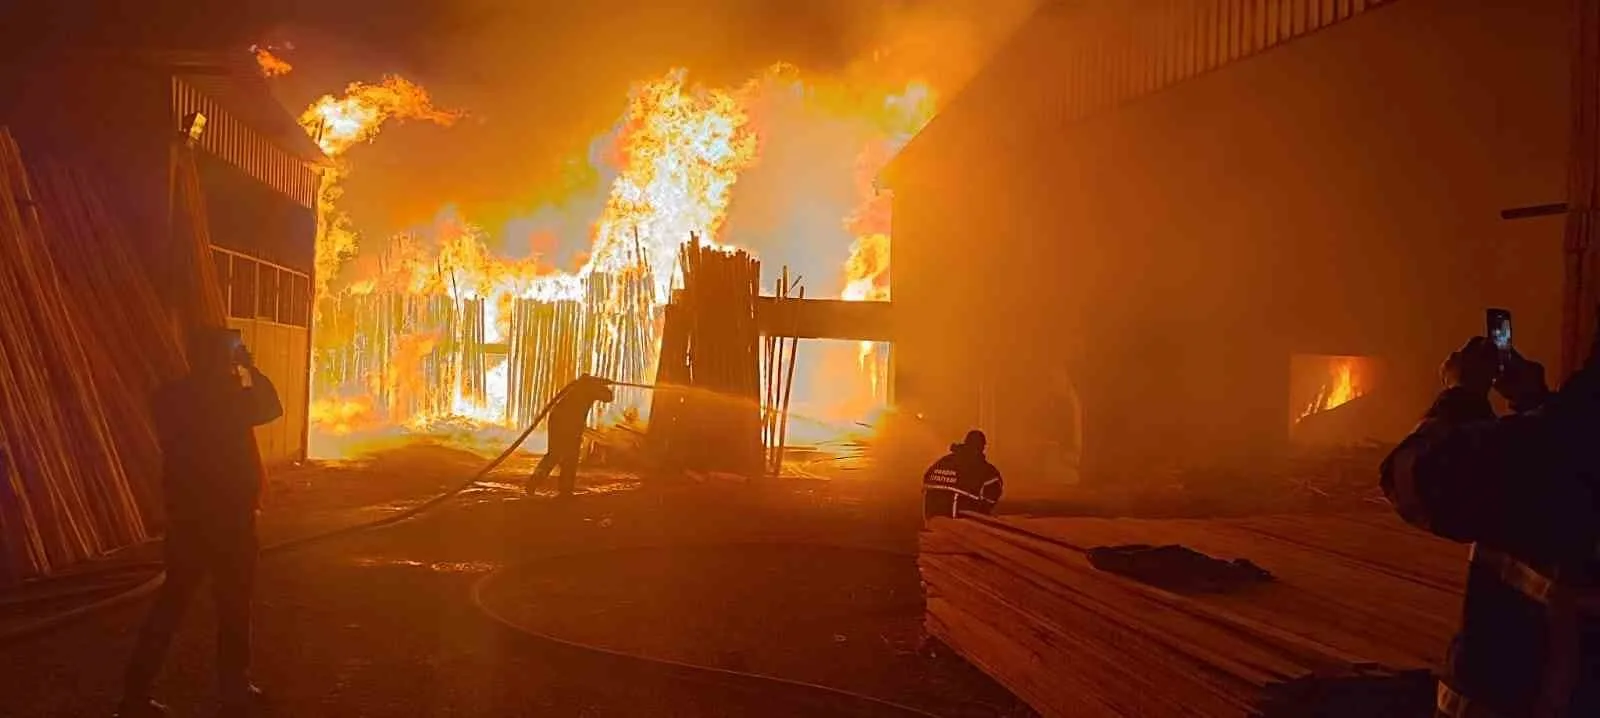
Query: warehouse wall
x=1338 y=194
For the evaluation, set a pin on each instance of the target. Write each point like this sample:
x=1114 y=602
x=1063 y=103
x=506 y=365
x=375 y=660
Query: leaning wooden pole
x=1583 y=193
x=788 y=390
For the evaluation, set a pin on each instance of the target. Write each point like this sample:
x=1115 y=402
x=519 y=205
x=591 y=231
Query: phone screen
x=1499 y=328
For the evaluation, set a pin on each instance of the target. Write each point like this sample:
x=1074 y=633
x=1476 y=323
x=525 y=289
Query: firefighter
x=211 y=482
x=963 y=480
x=1521 y=488
x=568 y=419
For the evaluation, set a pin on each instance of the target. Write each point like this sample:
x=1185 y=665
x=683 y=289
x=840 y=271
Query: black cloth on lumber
x=1524 y=489
x=1177 y=568
x=962 y=480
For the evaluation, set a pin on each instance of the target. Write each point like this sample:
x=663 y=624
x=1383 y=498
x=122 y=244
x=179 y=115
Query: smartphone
x=1498 y=328
x=235 y=344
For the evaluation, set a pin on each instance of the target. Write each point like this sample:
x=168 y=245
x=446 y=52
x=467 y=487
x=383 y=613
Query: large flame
x=866 y=272
x=1342 y=387
x=337 y=124
x=269 y=63
x=675 y=156
x=680 y=151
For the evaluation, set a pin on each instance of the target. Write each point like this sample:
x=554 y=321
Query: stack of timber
x=620 y=321
x=1357 y=619
x=474 y=360
x=543 y=354
x=90 y=331
x=710 y=365
x=777 y=379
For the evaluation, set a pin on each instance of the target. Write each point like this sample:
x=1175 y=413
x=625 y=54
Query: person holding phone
x=1523 y=490
x=211 y=481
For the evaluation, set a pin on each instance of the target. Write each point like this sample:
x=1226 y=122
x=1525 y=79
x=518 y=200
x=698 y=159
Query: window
x=243 y=304
x=267 y=292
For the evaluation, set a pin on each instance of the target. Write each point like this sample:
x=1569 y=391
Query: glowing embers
x=1328 y=395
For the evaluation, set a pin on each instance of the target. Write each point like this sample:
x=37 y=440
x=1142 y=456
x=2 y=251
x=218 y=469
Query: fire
x=337 y=123
x=676 y=156
x=1343 y=386
x=270 y=64
x=338 y=416
x=866 y=272
x=680 y=151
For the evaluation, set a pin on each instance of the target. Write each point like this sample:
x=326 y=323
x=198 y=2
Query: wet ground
x=736 y=575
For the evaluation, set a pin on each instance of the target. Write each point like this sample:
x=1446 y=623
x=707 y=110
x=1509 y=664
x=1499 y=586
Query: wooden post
x=1583 y=193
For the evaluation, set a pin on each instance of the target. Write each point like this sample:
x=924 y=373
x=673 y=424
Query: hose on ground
x=833 y=701
x=823 y=699
x=145 y=588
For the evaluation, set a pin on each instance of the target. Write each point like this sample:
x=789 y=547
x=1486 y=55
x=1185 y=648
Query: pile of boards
x=1358 y=617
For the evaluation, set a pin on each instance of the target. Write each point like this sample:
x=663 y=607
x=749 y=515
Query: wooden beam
x=825 y=319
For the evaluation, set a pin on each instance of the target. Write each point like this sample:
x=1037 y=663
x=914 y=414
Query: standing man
x=963 y=480
x=1524 y=490
x=212 y=481
x=567 y=421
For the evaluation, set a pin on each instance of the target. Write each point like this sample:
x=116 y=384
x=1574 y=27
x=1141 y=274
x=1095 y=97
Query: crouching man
x=963 y=480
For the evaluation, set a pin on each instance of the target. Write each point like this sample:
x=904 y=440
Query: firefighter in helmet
x=1524 y=490
x=568 y=419
x=963 y=480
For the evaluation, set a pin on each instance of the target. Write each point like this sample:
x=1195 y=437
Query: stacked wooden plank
x=89 y=331
x=1359 y=614
x=710 y=343
x=470 y=346
x=620 y=315
x=544 y=354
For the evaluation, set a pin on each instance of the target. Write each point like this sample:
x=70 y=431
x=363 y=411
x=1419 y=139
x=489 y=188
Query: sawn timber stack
x=1358 y=617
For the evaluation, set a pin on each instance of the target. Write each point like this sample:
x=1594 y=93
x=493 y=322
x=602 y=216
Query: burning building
x=1178 y=224
x=111 y=190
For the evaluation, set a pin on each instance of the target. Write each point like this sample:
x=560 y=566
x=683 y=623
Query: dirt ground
x=736 y=575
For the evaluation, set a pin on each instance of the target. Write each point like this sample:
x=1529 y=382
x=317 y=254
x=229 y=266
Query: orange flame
x=681 y=150
x=1343 y=386
x=339 y=123
x=866 y=272
x=270 y=64
x=677 y=153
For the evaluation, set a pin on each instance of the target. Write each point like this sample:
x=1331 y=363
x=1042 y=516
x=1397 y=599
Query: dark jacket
x=1521 y=489
x=963 y=480
x=571 y=414
x=210 y=464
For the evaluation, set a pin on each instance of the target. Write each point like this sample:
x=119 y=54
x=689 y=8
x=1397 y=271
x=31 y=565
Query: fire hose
x=149 y=586
x=835 y=701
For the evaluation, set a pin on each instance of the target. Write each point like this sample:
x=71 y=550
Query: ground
x=810 y=580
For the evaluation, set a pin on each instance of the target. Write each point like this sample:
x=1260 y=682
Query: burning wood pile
x=423 y=358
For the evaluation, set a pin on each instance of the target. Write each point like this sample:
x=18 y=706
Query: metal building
x=117 y=111
x=1198 y=231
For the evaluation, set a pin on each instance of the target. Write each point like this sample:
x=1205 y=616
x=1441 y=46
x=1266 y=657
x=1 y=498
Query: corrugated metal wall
x=235 y=142
x=1118 y=50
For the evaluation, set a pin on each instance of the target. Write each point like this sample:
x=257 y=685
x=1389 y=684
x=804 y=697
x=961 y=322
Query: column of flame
x=867 y=270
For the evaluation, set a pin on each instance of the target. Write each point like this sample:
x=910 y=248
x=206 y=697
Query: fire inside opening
x=1329 y=397
x=451 y=329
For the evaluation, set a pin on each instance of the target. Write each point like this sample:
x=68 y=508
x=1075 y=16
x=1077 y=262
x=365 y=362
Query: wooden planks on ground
x=1346 y=629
